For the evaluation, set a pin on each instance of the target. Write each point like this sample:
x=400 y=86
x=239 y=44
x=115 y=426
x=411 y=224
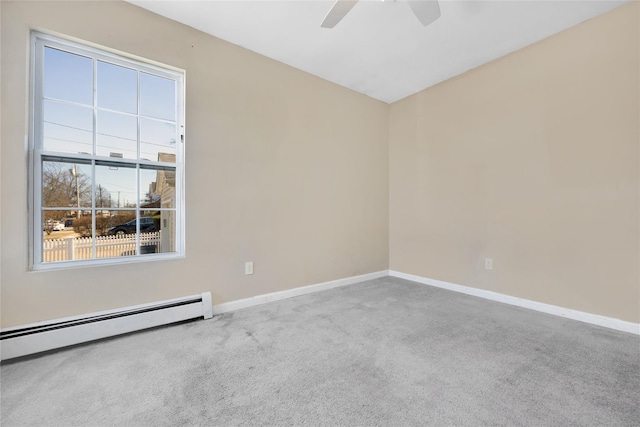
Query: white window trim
x=35 y=151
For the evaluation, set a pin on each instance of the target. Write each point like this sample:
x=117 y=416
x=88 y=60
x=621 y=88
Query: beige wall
x=531 y=160
x=283 y=169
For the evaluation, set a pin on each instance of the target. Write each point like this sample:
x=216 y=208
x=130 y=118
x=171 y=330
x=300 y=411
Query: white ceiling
x=380 y=49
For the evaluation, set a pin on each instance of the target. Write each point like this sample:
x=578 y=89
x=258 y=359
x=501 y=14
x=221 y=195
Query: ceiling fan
x=426 y=11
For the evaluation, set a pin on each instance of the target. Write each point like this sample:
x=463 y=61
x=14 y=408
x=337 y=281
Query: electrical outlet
x=248 y=267
x=488 y=264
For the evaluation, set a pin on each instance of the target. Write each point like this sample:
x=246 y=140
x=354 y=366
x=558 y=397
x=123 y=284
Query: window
x=107 y=153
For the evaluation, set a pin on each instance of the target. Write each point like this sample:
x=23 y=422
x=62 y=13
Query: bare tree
x=63 y=187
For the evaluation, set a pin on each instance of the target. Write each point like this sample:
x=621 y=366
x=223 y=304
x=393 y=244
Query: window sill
x=104 y=262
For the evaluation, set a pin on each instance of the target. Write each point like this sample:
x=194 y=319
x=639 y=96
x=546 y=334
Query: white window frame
x=36 y=150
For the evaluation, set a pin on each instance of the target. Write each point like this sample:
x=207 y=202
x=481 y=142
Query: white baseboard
x=594 y=319
x=303 y=290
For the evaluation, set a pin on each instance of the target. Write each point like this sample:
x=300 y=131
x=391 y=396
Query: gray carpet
x=385 y=352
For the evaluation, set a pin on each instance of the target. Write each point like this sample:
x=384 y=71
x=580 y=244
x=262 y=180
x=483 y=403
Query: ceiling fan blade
x=337 y=12
x=426 y=11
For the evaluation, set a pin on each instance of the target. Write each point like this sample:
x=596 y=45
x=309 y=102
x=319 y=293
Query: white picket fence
x=76 y=248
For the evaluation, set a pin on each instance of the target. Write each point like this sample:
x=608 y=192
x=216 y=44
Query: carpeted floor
x=385 y=352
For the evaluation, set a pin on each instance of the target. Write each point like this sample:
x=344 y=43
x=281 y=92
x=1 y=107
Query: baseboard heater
x=42 y=336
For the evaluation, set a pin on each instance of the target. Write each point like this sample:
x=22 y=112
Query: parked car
x=147 y=225
x=53 y=225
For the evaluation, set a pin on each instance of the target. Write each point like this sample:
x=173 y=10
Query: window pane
x=157 y=140
x=66 y=185
x=157 y=188
x=62 y=241
x=116 y=223
x=117 y=88
x=116 y=233
x=115 y=185
x=117 y=135
x=160 y=234
x=157 y=97
x=68 y=76
x=67 y=128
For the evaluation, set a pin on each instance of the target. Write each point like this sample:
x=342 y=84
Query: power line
x=110 y=135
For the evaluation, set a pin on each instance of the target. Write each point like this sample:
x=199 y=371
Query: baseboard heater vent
x=42 y=336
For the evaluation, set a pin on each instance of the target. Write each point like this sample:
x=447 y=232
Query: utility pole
x=99 y=202
x=74 y=172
